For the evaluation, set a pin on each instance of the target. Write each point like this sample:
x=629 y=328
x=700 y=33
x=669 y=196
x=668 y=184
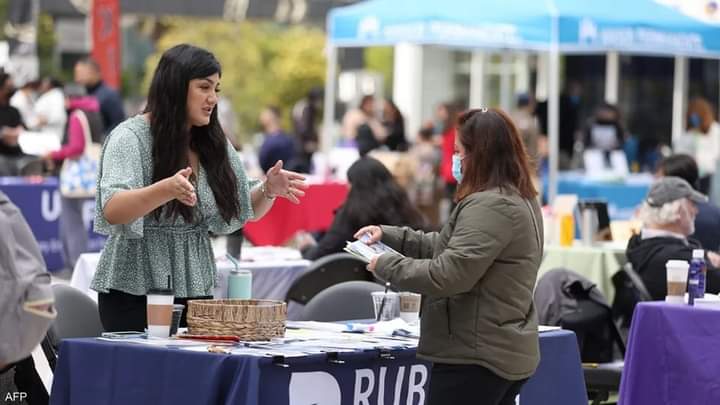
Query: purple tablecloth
x=673 y=356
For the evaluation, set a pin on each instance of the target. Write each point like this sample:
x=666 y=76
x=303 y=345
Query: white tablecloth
x=272 y=275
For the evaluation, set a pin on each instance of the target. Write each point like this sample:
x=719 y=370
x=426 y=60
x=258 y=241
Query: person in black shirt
x=374 y=198
x=10 y=127
x=395 y=125
x=668 y=217
x=707 y=221
x=87 y=73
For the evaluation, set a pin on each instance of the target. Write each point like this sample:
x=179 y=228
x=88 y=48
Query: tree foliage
x=380 y=59
x=263 y=63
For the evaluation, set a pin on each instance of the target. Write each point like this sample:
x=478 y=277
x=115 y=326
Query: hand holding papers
x=365 y=252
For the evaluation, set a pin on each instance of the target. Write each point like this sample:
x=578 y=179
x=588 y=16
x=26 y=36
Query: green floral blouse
x=140 y=255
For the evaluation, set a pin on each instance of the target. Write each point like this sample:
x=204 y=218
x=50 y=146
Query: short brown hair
x=495 y=156
x=704 y=110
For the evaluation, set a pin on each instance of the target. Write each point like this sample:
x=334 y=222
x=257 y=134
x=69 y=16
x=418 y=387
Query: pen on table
x=382 y=302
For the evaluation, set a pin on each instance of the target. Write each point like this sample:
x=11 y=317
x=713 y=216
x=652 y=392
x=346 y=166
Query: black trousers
x=22 y=377
x=470 y=384
x=121 y=311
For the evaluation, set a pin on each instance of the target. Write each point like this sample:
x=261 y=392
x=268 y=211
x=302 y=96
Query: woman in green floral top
x=167 y=178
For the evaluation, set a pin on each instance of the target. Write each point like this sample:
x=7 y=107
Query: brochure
x=365 y=252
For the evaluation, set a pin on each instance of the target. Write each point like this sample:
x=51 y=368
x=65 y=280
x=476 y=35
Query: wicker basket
x=248 y=319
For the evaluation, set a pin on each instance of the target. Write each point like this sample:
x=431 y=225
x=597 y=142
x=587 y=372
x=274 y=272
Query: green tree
x=380 y=59
x=3 y=18
x=262 y=63
x=46 y=47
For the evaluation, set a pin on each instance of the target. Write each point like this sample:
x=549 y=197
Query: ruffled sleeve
x=120 y=169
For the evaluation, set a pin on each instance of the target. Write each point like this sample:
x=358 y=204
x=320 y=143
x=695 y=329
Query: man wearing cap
x=668 y=217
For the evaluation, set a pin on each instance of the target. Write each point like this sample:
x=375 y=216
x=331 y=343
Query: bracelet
x=263 y=189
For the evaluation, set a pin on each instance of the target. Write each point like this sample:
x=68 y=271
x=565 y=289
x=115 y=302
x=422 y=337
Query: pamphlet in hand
x=365 y=252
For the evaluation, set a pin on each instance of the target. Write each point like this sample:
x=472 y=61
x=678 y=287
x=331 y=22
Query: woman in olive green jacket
x=477 y=274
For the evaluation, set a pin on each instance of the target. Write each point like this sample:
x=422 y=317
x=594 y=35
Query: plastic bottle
x=699 y=257
x=240 y=284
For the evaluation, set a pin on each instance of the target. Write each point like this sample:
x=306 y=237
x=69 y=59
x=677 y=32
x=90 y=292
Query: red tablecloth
x=314 y=213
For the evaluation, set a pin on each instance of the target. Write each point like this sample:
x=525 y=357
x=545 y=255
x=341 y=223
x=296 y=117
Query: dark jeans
x=470 y=384
x=121 y=311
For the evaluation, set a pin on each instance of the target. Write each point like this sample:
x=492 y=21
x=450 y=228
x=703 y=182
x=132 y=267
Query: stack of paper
x=365 y=252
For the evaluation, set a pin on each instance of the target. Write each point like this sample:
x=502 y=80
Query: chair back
x=629 y=290
x=77 y=316
x=341 y=302
x=325 y=272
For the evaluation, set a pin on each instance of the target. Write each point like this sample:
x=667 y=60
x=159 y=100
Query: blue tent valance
x=637 y=26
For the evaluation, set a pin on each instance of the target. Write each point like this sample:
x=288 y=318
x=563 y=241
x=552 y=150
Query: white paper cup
x=410 y=307
x=677 y=276
x=159 y=314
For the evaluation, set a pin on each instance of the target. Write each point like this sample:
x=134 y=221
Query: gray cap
x=669 y=189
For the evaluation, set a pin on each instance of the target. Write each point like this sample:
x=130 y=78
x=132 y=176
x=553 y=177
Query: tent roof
x=637 y=26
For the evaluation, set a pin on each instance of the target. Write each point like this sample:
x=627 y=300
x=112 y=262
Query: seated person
x=605 y=130
x=668 y=217
x=374 y=198
x=707 y=221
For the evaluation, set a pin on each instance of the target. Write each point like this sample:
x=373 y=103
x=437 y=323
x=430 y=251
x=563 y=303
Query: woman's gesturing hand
x=180 y=188
x=375 y=233
x=284 y=183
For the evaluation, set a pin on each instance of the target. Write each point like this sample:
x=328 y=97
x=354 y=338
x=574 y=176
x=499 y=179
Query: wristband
x=263 y=189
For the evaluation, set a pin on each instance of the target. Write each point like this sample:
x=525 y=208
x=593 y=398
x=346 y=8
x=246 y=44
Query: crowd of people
x=169 y=178
x=45 y=106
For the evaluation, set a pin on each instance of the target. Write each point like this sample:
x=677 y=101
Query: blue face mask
x=457 y=167
x=695 y=120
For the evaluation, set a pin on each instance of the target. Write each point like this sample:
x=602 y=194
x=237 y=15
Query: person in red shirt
x=447 y=120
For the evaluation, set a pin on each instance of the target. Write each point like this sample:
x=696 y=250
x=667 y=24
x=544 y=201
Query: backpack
x=566 y=299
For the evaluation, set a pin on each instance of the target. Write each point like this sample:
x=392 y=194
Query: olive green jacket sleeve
x=478 y=235
x=409 y=242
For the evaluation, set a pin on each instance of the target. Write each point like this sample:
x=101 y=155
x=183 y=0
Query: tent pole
x=506 y=95
x=553 y=103
x=477 y=79
x=541 y=87
x=680 y=77
x=612 y=77
x=522 y=73
x=329 y=101
x=554 y=121
x=408 y=85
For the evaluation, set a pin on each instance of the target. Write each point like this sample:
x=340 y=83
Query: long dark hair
x=167 y=105
x=495 y=156
x=375 y=197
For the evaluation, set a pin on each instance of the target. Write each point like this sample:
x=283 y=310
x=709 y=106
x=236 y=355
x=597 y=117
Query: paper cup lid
x=677 y=263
